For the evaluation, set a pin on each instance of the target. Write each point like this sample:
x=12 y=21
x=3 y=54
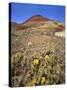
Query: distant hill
x=39 y=22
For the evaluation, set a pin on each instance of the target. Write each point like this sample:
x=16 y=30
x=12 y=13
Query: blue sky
x=21 y=12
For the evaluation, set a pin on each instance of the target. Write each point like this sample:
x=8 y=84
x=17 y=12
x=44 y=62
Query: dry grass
x=40 y=63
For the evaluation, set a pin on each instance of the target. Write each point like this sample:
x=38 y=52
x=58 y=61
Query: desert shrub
x=39 y=65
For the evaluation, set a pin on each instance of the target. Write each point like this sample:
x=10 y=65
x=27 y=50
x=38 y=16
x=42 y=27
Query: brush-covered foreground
x=37 y=59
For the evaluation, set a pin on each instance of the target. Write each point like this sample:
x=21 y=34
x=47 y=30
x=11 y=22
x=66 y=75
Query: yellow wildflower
x=46 y=58
x=36 y=61
x=33 y=81
x=43 y=80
